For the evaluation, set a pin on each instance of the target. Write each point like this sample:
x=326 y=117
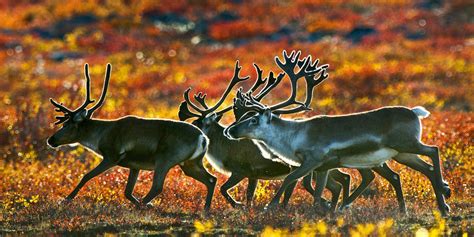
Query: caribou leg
x=132 y=180
x=367 y=178
x=345 y=180
x=307 y=166
x=309 y=187
x=251 y=187
x=335 y=189
x=417 y=147
x=321 y=182
x=394 y=179
x=416 y=163
x=233 y=180
x=104 y=165
x=159 y=175
x=195 y=169
x=307 y=183
x=288 y=192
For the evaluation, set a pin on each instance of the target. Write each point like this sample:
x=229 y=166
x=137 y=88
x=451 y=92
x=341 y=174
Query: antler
x=272 y=83
x=250 y=102
x=311 y=83
x=61 y=119
x=239 y=106
x=235 y=80
x=104 y=91
x=60 y=107
x=306 y=68
x=188 y=101
x=243 y=103
x=184 y=112
x=87 y=100
x=200 y=98
x=68 y=113
x=260 y=80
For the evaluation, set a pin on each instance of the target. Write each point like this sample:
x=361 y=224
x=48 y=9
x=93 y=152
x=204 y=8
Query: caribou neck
x=285 y=130
x=216 y=135
x=92 y=131
x=282 y=133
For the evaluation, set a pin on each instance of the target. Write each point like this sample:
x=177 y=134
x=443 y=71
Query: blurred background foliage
x=381 y=52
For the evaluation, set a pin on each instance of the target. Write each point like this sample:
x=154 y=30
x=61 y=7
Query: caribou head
x=206 y=115
x=72 y=121
x=254 y=119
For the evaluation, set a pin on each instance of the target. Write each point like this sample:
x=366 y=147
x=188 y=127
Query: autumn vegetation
x=388 y=52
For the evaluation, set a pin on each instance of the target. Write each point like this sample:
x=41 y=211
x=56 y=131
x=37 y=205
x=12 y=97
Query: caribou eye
x=253 y=121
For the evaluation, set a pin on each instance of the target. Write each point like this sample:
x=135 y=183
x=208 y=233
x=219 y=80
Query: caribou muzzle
x=52 y=142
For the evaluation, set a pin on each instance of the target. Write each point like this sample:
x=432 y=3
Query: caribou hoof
x=447 y=208
x=206 y=211
x=344 y=207
x=271 y=206
x=66 y=201
x=325 y=203
x=321 y=210
x=238 y=205
x=325 y=206
x=403 y=212
x=144 y=206
x=446 y=191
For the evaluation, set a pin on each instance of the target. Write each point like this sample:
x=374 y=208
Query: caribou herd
x=260 y=143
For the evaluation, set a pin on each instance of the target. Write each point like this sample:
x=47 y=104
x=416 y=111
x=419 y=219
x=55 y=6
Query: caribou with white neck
x=359 y=140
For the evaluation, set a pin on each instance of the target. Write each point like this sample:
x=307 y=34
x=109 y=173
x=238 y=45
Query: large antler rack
x=307 y=69
x=311 y=82
x=185 y=113
x=68 y=113
x=271 y=82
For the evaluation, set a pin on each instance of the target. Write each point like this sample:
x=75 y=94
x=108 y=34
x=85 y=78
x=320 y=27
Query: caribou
x=243 y=159
x=367 y=175
x=135 y=143
x=363 y=140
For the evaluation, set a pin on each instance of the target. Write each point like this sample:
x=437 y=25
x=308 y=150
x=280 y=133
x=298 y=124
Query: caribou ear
x=267 y=114
x=81 y=116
